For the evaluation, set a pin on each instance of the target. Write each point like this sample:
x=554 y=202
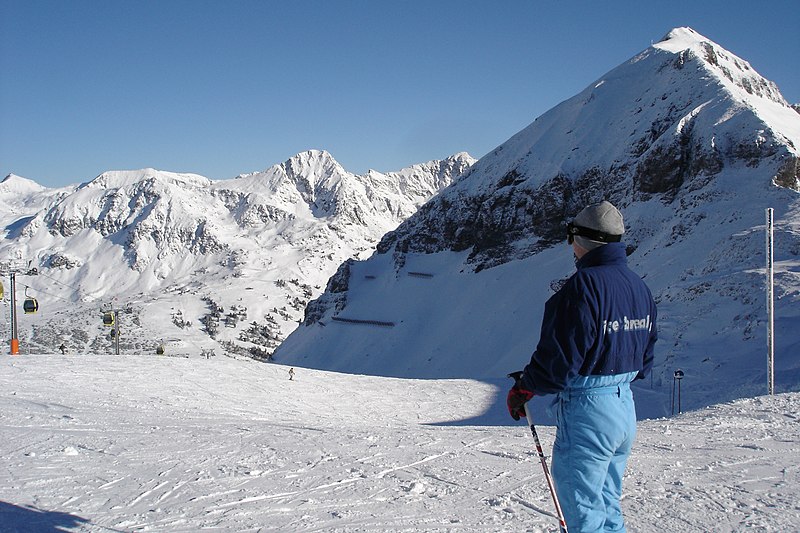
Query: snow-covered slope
x=192 y=262
x=692 y=145
x=20 y=199
x=97 y=443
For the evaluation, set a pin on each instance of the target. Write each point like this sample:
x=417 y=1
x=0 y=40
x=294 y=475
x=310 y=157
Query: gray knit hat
x=604 y=219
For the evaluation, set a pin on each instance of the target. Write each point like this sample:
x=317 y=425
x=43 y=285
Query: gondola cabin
x=30 y=305
x=108 y=319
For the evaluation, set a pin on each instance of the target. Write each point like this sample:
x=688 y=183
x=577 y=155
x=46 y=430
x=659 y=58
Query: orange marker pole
x=14 y=339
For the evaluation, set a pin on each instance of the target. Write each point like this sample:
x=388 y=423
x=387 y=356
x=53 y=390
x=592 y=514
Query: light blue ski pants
x=596 y=429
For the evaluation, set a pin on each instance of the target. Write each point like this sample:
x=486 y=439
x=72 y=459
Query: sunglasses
x=592 y=234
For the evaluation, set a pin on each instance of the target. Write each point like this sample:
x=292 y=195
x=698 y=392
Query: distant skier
x=63 y=349
x=597 y=336
x=291 y=374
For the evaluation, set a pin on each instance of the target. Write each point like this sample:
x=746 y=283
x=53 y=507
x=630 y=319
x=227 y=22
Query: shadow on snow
x=17 y=519
x=649 y=404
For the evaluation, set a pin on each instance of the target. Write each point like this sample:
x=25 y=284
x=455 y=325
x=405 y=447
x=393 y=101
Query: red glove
x=516 y=400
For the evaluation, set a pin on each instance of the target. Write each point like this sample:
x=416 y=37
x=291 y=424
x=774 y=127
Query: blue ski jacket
x=602 y=322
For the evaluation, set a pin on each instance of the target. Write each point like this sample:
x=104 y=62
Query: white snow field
x=149 y=443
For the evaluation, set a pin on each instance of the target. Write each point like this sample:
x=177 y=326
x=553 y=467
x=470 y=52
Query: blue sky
x=221 y=88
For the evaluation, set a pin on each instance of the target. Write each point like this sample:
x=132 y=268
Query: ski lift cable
x=46 y=292
x=76 y=289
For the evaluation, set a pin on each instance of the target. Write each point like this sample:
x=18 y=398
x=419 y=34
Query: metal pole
x=562 y=524
x=677 y=377
x=116 y=326
x=14 y=332
x=770 y=305
x=672 y=398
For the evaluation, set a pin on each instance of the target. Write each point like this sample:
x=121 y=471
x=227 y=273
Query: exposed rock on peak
x=687 y=44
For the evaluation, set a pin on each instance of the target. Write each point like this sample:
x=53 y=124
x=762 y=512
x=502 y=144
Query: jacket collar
x=612 y=253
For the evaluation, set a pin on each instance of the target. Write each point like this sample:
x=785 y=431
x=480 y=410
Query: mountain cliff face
x=313 y=185
x=182 y=249
x=685 y=138
x=665 y=123
x=149 y=213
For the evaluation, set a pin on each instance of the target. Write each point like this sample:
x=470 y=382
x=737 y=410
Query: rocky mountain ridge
x=264 y=241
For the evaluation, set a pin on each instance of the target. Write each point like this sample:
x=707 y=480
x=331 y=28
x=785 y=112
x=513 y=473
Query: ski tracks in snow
x=717 y=470
x=236 y=448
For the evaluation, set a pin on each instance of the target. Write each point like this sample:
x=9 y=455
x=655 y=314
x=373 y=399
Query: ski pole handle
x=516 y=376
x=528 y=414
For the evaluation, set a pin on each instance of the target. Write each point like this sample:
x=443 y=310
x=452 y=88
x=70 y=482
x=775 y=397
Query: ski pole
x=561 y=522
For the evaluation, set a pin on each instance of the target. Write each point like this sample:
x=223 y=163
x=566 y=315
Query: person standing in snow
x=598 y=333
x=291 y=374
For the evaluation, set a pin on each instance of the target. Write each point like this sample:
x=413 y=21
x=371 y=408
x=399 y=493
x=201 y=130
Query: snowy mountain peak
x=117 y=179
x=315 y=174
x=679 y=126
x=681 y=38
x=13 y=184
x=445 y=171
x=20 y=196
x=303 y=184
x=314 y=162
x=313 y=184
x=730 y=68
